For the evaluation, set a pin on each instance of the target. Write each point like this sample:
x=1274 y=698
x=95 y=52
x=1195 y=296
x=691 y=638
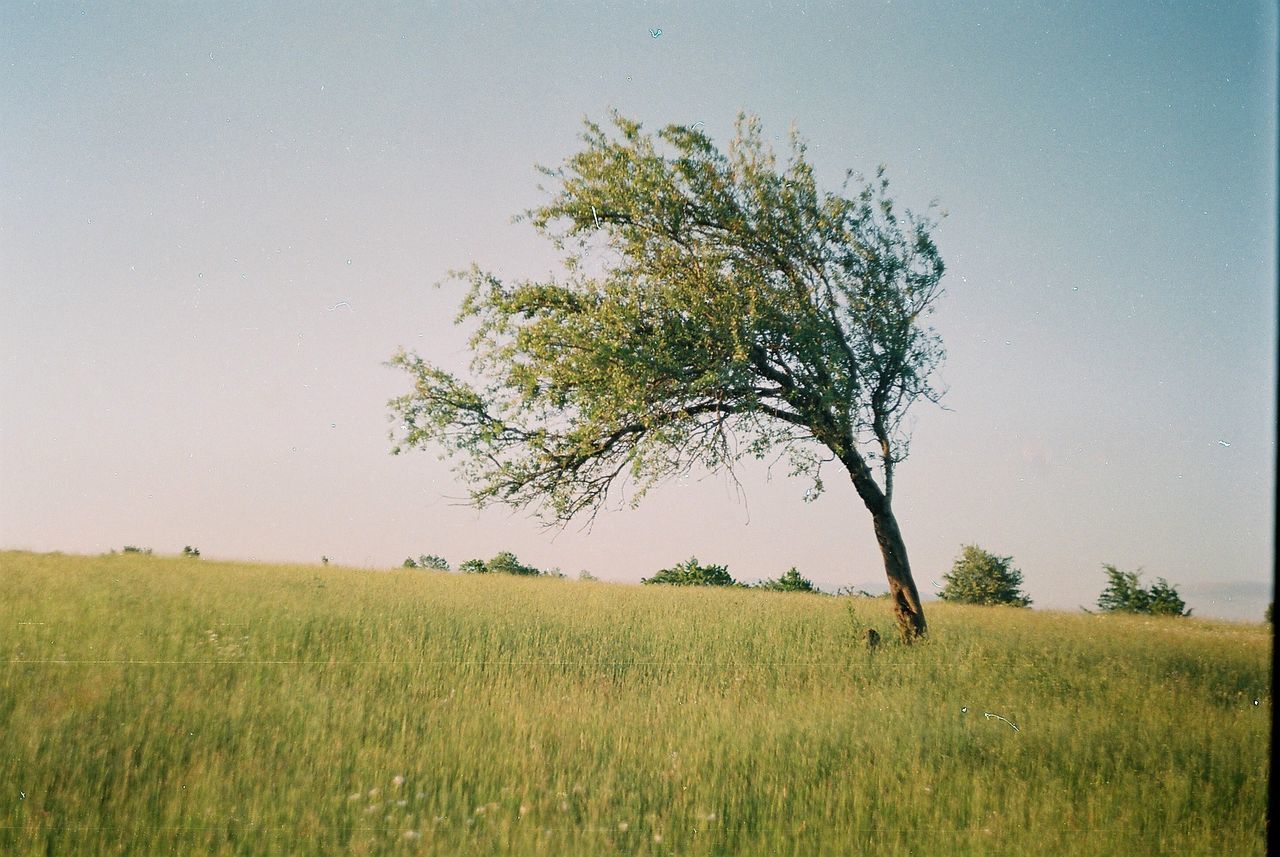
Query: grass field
x=155 y=705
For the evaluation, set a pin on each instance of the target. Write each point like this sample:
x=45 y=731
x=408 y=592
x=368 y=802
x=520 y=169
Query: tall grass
x=160 y=705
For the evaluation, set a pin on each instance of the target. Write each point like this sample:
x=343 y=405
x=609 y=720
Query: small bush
x=504 y=563
x=585 y=575
x=690 y=573
x=792 y=581
x=1124 y=594
x=979 y=577
x=428 y=561
x=135 y=549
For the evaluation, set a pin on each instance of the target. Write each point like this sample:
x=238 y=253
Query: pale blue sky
x=216 y=223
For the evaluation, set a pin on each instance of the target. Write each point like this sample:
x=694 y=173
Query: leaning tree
x=712 y=306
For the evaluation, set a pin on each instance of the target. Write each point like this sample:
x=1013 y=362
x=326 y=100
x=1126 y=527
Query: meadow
x=156 y=705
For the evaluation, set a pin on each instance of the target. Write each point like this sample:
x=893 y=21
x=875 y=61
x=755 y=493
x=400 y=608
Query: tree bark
x=902 y=586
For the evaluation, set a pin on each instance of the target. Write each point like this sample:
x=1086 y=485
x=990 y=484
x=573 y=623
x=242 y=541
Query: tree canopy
x=713 y=306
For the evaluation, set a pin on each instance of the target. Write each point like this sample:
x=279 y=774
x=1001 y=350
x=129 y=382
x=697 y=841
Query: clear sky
x=217 y=222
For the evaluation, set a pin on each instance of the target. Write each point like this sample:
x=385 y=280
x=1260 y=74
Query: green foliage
x=792 y=581
x=504 y=562
x=428 y=561
x=1163 y=600
x=136 y=549
x=979 y=577
x=190 y=552
x=708 y=296
x=691 y=573
x=1125 y=594
x=324 y=560
x=587 y=576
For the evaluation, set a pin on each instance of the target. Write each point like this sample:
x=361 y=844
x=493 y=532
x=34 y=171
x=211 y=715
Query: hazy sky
x=217 y=222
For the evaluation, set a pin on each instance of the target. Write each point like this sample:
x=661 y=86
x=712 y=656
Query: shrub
x=191 y=552
x=135 y=549
x=428 y=561
x=1124 y=594
x=792 y=581
x=979 y=577
x=690 y=573
x=585 y=575
x=504 y=563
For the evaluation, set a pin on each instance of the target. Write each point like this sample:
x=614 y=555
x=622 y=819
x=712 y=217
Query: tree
x=978 y=577
x=1165 y=601
x=1124 y=594
x=691 y=573
x=792 y=581
x=707 y=298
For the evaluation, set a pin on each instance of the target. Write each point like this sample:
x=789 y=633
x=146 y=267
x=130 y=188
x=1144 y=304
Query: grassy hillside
x=159 y=705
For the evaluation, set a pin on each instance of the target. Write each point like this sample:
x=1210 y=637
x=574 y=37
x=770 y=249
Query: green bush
x=1124 y=594
x=792 y=581
x=504 y=563
x=135 y=549
x=979 y=577
x=690 y=573
x=189 y=551
x=428 y=561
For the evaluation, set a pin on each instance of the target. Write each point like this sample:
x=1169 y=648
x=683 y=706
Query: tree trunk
x=902 y=586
